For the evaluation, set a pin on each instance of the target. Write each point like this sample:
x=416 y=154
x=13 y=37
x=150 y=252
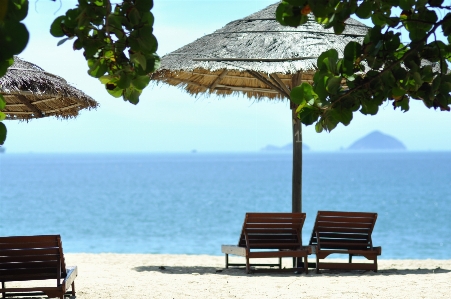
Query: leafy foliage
x=380 y=68
x=118 y=43
x=13 y=40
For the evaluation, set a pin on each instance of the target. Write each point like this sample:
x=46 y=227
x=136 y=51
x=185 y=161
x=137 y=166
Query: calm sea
x=193 y=203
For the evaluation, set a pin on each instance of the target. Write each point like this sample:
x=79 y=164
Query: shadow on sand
x=200 y=270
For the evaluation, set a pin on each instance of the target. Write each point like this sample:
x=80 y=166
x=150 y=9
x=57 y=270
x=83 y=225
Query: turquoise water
x=193 y=203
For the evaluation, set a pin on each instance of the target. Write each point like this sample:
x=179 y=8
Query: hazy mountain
x=377 y=141
x=288 y=147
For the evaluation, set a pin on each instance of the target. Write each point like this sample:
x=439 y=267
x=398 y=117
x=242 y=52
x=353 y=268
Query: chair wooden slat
x=344 y=233
x=273 y=234
x=25 y=258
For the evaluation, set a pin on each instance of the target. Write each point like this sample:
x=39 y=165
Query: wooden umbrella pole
x=296 y=195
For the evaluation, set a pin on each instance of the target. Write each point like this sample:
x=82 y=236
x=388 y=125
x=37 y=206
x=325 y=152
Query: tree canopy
x=120 y=50
x=117 y=42
x=379 y=69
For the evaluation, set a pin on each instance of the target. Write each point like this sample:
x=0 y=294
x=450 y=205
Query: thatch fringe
x=30 y=92
x=259 y=55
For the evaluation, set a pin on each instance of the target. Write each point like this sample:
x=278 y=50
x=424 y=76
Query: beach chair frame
x=270 y=235
x=344 y=233
x=35 y=258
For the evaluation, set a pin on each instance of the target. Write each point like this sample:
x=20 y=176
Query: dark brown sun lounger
x=35 y=258
x=345 y=233
x=268 y=235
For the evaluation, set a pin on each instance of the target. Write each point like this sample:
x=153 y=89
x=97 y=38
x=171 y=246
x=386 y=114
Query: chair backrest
x=272 y=230
x=31 y=258
x=343 y=230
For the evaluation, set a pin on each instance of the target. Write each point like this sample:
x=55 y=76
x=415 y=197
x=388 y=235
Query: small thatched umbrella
x=260 y=58
x=30 y=92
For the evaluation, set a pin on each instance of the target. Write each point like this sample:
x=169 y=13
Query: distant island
x=377 y=141
x=286 y=148
x=2 y=150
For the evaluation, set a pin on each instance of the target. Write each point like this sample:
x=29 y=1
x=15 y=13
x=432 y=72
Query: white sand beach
x=202 y=276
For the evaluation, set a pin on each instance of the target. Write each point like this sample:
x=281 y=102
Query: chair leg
x=3 y=293
x=306 y=264
x=317 y=264
x=73 y=288
x=248 y=267
x=375 y=263
x=350 y=258
x=227 y=261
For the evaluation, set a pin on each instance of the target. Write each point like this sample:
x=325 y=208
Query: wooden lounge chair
x=345 y=233
x=272 y=235
x=35 y=258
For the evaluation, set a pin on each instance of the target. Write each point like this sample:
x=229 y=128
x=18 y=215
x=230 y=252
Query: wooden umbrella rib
x=218 y=80
x=29 y=105
x=34 y=102
x=64 y=108
x=280 y=83
x=269 y=83
x=47 y=112
x=228 y=87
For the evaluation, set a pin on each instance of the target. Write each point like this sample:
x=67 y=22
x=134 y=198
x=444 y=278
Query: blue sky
x=169 y=120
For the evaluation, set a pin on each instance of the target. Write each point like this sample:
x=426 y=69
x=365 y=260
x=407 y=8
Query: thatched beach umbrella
x=30 y=92
x=257 y=57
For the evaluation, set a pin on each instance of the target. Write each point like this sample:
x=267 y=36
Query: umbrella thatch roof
x=30 y=92
x=254 y=55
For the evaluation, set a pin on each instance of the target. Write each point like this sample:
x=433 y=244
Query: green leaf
x=3 y=132
x=352 y=51
x=308 y=115
x=139 y=59
x=2 y=116
x=133 y=16
x=132 y=95
x=369 y=107
x=406 y=4
x=107 y=79
x=320 y=87
x=3 y=9
x=114 y=90
x=302 y=94
x=393 y=44
x=15 y=37
x=331 y=56
x=339 y=28
x=319 y=127
x=5 y=64
x=435 y=3
x=334 y=84
x=378 y=19
x=55 y=29
x=388 y=79
x=98 y=68
x=403 y=104
x=398 y=92
x=63 y=41
x=364 y=11
x=124 y=81
x=144 y=5
x=141 y=82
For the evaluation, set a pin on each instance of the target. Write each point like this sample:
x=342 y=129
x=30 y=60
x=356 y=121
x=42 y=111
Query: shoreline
x=120 y=275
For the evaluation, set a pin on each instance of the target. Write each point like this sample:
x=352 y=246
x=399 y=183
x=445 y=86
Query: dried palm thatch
x=30 y=92
x=255 y=55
